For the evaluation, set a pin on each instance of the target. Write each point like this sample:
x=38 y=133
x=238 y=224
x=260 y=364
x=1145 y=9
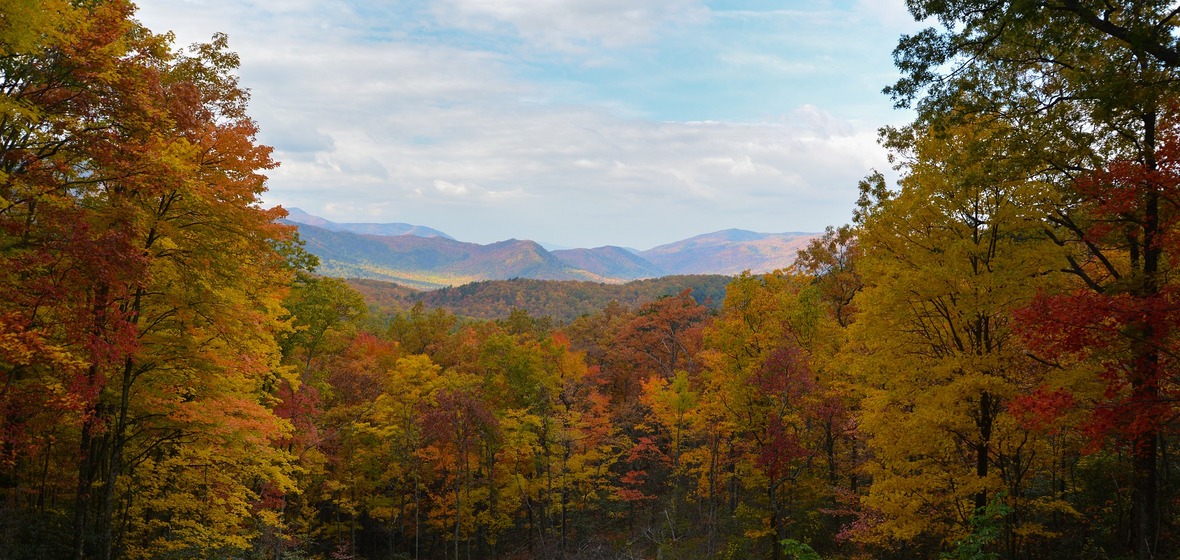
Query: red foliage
x=459 y=419
x=630 y=489
x=1125 y=318
x=1042 y=410
x=1128 y=337
x=647 y=450
x=787 y=380
x=786 y=374
x=780 y=448
x=302 y=408
x=665 y=335
x=356 y=374
x=1103 y=324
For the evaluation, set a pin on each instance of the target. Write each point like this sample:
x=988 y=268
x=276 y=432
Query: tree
x=662 y=338
x=766 y=412
x=455 y=428
x=129 y=176
x=318 y=305
x=1084 y=84
x=1120 y=320
x=831 y=260
x=945 y=262
x=392 y=441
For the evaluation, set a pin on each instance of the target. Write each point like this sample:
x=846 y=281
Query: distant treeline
x=559 y=300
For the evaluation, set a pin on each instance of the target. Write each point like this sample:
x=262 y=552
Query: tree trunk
x=1145 y=388
x=984 y=423
x=85 y=478
x=1143 y=498
x=776 y=552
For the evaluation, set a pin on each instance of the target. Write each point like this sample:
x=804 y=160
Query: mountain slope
x=424 y=258
x=610 y=262
x=730 y=251
x=432 y=262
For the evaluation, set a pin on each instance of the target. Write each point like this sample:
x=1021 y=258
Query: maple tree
x=1120 y=316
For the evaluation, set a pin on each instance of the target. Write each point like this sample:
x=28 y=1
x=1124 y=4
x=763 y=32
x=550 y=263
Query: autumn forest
x=981 y=364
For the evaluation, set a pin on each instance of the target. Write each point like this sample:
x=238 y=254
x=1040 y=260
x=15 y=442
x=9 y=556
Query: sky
x=575 y=123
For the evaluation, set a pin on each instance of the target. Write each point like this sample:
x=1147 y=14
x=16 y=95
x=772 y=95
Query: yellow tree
x=764 y=410
x=390 y=441
x=457 y=428
x=831 y=261
x=550 y=463
x=945 y=262
x=1088 y=87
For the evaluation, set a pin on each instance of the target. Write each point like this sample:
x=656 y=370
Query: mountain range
x=425 y=258
x=299 y=216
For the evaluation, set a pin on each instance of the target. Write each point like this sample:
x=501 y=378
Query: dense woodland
x=561 y=301
x=981 y=365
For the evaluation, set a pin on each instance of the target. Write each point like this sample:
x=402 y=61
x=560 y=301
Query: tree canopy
x=982 y=364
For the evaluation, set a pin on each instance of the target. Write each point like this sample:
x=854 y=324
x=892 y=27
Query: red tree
x=1121 y=238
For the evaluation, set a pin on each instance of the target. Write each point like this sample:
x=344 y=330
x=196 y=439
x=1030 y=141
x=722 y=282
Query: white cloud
x=631 y=170
x=771 y=63
x=574 y=25
x=471 y=191
x=893 y=14
x=372 y=126
x=449 y=188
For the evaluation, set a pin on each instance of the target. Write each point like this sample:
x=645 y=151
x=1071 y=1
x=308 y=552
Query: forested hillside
x=559 y=301
x=433 y=262
x=981 y=365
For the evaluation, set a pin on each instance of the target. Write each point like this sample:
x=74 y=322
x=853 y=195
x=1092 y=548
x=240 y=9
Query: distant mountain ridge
x=610 y=262
x=730 y=251
x=299 y=216
x=425 y=258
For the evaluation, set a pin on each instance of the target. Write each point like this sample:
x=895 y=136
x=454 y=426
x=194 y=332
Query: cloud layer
x=573 y=122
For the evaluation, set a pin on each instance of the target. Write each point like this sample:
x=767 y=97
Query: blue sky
x=576 y=123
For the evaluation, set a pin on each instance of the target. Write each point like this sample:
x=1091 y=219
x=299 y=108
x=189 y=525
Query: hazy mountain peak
x=729 y=251
x=298 y=215
x=392 y=229
x=425 y=258
x=732 y=234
